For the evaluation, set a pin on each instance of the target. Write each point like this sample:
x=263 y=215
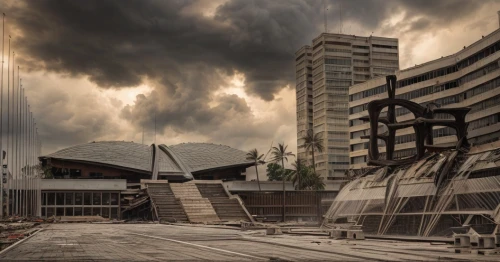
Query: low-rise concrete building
x=468 y=78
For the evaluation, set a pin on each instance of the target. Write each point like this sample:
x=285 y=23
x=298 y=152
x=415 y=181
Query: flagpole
x=1 y=121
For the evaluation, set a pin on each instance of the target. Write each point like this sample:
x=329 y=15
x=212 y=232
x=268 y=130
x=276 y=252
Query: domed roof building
x=132 y=161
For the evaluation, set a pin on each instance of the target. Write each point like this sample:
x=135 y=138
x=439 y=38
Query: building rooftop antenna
x=340 y=17
x=326 y=22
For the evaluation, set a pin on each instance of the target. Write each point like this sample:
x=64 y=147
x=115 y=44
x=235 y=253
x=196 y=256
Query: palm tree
x=313 y=142
x=253 y=155
x=300 y=167
x=279 y=153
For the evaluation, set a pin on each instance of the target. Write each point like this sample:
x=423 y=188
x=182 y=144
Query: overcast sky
x=209 y=70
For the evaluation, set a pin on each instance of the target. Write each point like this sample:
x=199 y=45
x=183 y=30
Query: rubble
x=15 y=228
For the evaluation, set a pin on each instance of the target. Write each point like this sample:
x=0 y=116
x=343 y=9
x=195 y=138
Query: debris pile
x=14 y=229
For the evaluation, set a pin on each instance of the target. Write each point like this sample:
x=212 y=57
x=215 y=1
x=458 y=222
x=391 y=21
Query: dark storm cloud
x=185 y=56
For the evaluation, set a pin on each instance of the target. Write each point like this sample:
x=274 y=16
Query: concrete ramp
x=199 y=210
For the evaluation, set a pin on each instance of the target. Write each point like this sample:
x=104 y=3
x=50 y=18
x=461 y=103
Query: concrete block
x=356 y=234
x=482 y=242
x=461 y=240
x=273 y=231
x=338 y=233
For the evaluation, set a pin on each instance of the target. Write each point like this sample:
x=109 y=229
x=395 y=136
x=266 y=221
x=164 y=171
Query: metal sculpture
x=422 y=125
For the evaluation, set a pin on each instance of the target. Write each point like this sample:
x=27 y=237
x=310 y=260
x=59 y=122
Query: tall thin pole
x=1 y=120
x=32 y=196
x=324 y=11
x=25 y=144
x=340 y=18
x=9 y=117
x=155 y=128
x=17 y=125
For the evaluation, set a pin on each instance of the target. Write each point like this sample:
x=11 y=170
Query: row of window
x=490 y=102
x=385 y=62
x=361 y=77
x=361 y=54
x=302 y=55
x=479 y=73
x=385 y=46
x=345 y=75
x=460 y=65
x=337 y=68
x=337 y=61
x=384 y=70
x=362 y=69
x=490 y=85
x=338 y=50
x=79 y=198
x=105 y=212
x=385 y=54
x=427 y=91
x=339 y=83
x=440 y=132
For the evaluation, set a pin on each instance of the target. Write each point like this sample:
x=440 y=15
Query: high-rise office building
x=468 y=78
x=324 y=73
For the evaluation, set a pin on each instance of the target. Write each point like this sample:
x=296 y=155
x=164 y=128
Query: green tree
x=274 y=172
x=313 y=142
x=304 y=177
x=45 y=171
x=253 y=155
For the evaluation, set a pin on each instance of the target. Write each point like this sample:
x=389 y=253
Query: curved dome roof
x=116 y=153
x=166 y=160
x=205 y=156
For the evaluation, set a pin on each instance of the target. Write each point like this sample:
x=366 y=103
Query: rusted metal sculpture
x=422 y=125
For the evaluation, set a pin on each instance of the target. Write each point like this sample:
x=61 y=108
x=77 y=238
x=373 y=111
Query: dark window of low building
x=78 y=198
x=69 y=199
x=105 y=212
x=95 y=175
x=59 y=199
x=96 y=198
x=50 y=211
x=51 y=199
x=114 y=198
x=87 y=199
x=105 y=198
x=114 y=212
x=44 y=199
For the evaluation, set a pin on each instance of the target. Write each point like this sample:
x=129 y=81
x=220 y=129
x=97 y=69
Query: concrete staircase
x=167 y=206
x=227 y=209
x=197 y=208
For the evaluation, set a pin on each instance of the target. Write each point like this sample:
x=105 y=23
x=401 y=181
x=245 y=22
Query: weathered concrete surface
x=155 y=242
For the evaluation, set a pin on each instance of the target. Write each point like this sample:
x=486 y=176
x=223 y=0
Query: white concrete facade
x=84 y=184
x=324 y=73
x=468 y=78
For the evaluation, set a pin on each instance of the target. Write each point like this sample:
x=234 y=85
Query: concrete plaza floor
x=156 y=242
